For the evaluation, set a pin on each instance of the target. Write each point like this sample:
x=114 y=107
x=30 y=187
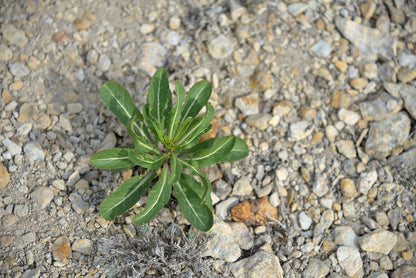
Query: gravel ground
x=324 y=93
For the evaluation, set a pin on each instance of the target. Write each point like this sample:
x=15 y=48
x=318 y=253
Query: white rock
x=34 y=151
x=12 y=147
x=304 y=221
x=350 y=259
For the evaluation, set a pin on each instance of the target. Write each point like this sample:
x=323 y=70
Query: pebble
x=248 y=104
x=305 y=221
x=347 y=148
x=12 y=147
x=371 y=42
x=243 y=236
x=261 y=264
x=358 y=83
x=320 y=185
x=26 y=113
x=378 y=275
x=315 y=269
x=146 y=28
x=236 y=10
x=261 y=80
x=242 y=187
x=380 y=106
x=404 y=271
x=345 y=236
x=348 y=117
x=19 y=69
x=152 y=56
x=83 y=246
x=61 y=251
x=348 y=188
x=4 y=176
x=24 y=129
x=104 y=62
x=5 y=53
x=255 y=212
x=174 y=22
x=386 y=135
x=78 y=204
x=222 y=245
x=407 y=158
x=350 y=260
x=42 y=196
x=73 y=179
x=322 y=48
x=378 y=241
x=331 y=132
x=92 y=56
x=407 y=60
x=33 y=151
x=59 y=184
x=13 y=35
x=220 y=47
x=407 y=92
x=31 y=273
x=60 y=37
x=222 y=208
x=170 y=37
x=260 y=121
x=366 y=181
x=82 y=23
x=406 y=74
x=297 y=8
x=299 y=130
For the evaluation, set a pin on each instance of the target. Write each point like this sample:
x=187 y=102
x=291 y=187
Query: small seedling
x=166 y=143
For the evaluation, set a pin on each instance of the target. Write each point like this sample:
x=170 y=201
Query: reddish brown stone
x=256 y=212
x=61 y=250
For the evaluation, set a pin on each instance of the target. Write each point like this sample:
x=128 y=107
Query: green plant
x=166 y=142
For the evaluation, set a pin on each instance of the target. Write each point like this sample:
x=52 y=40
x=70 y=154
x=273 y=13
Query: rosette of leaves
x=166 y=143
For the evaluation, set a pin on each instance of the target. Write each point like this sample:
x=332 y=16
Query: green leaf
x=147 y=161
x=137 y=128
x=159 y=97
x=143 y=146
x=158 y=197
x=196 y=99
x=154 y=125
x=119 y=101
x=183 y=127
x=125 y=196
x=175 y=113
x=214 y=154
x=198 y=214
x=112 y=159
x=198 y=127
x=175 y=168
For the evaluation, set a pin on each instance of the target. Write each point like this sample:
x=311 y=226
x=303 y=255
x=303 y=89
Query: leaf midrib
x=212 y=153
x=189 y=203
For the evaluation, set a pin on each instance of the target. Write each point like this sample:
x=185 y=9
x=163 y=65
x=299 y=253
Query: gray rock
x=299 y=130
x=170 y=37
x=315 y=269
x=34 y=151
x=42 y=196
x=386 y=135
x=378 y=241
x=12 y=147
x=261 y=264
x=104 y=62
x=220 y=47
x=260 y=121
x=320 y=185
x=222 y=245
x=348 y=117
x=380 y=106
x=378 y=275
x=78 y=204
x=242 y=235
x=322 y=48
x=5 y=53
x=21 y=210
x=73 y=178
x=13 y=35
x=222 y=208
x=83 y=246
x=222 y=189
x=305 y=221
x=404 y=271
x=371 y=42
x=297 y=8
x=347 y=148
x=242 y=187
x=407 y=158
x=153 y=56
x=407 y=60
x=248 y=105
x=408 y=93
x=31 y=273
x=345 y=236
x=349 y=259
x=19 y=69
x=366 y=181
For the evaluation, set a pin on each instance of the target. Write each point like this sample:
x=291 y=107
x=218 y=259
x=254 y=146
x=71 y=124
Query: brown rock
x=256 y=212
x=406 y=74
x=82 y=23
x=358 y=83
x=4 y=176
x=348 y=188
x=261 y=81
x=60 y=37
x=61 y=250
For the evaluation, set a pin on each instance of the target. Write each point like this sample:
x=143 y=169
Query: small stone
x=174 y=22
x=31 y=273
x=386 y=135
x=347 y=148
x=406 y=74
x=74 y=108
x=305 y=221
x=380 y=106
x=350 y=260
x=146 y=28
x=61 y=251
x=322 y=48
x=33 y=151
x=378 y=241
x=385 y=263
x=320 y=185
x=12 y=147
x=16 y=86
x=260 y=121
x=348 y=117
x=222 y=245
x=21 y=210
x=242 y=187
x=248 y=104
x=4 y=176
x=82 y=23
x=83 y=246
x=282 y=108
x=222 y=208
x=92 y=56
x=348 y=188
x=65 y=123
x=358 y=83
x=349 y=210
x=366 y=181
x=5 y=53
x=236 y=10
x=59 y=184
x=407 y=92
x=26 y=113
x=242 y=236
x=78 y=204
x=13 y=35
x=153 y=56
x=261 y=264
x=368 y=9
x=42 y=196
x=297 y=8
x=315 y=269
x=104 y=62
x=256 y=212
x=345 y=236
x=331 y=132
x=220 y=47
x=299 y=130
x=378 y=275
x=170 y=37
x=404 y=271
x=261 y=81
x=19 y=69
x=60 y=37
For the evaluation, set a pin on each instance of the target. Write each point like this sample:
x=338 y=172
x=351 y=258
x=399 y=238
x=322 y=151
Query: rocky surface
x=323 y=92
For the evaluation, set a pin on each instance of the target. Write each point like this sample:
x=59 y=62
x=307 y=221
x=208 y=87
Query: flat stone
x=4 y=176
x=380 y=106
x=83 y=246
x=242 y=187
x=378 y=241
x=261 y=264
x=222 y=245
x=371 y=42
x=33 y=151
x=406 y=74
x=78 y=204
x=322 y=48
x=248 y=104
x=104 y=62
x=345 y=236
x=5 y=53
x=378 y=275
x=407 y=158
x=243 y=236
x=13 y=35
x=299 y=130
x=27 y=113
x=260 y=121
x=42 y=196
x=366 y=181
x=220 y=47
x=320 y=185
x=261 y=80
x=404 y=271
x=348 y=117
x=21 y=210
x=19 y=69
x=152 y=56
x=346 y=148
x=12 y=147
x=222 y=208
x=305 y=221
x=61 y=251
x=349 y=259
x=255 y=212
x=315 y=269
x=386 y=135
x=348 y=188
x=407 y=92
